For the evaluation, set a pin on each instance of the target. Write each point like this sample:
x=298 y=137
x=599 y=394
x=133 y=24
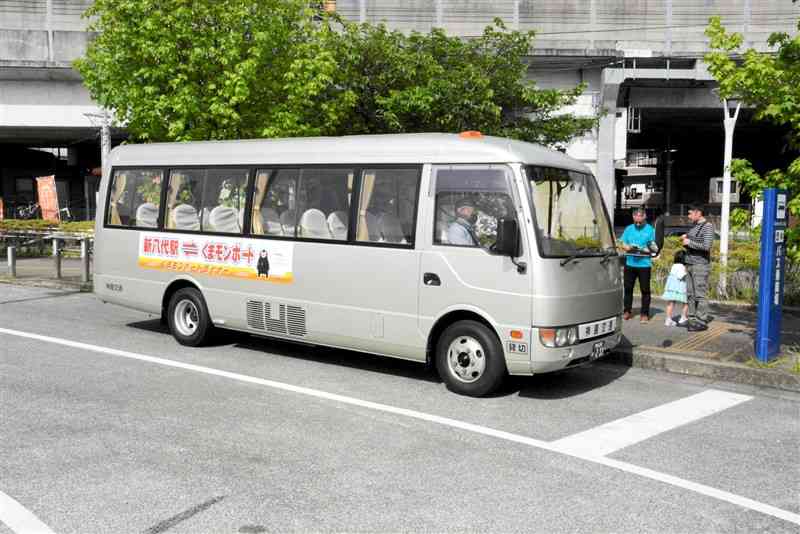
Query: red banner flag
x=48 y=198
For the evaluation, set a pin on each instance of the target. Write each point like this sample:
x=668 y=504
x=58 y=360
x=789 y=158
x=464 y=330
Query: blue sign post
x=770 y=285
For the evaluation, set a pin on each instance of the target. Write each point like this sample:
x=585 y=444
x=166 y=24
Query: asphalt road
x=109 y=425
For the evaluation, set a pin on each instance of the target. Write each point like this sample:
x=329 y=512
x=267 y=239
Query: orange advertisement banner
x=48 y=198
x=217 y=256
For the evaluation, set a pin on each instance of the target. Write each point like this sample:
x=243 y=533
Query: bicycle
x=31 y=211
x=64 y=214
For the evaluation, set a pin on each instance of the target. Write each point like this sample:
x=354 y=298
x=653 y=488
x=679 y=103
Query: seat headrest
x=313 y=224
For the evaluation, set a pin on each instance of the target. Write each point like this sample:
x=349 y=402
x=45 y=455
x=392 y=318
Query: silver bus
x=480 y=255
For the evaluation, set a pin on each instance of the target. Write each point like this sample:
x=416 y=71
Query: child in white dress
x=675 y=290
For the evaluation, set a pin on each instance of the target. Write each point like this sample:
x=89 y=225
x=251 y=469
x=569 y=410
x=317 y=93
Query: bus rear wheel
x=188 y=317
x=470 y=359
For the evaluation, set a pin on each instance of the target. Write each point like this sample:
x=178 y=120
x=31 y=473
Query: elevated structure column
x=609 y=91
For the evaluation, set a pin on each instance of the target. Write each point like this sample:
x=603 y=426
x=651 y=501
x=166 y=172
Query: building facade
x=659 y=142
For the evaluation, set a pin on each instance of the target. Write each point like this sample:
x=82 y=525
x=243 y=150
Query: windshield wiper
x=574 y=256
x=608 y=252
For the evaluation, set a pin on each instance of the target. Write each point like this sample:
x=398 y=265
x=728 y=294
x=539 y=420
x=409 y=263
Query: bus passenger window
x=323 y=203
x=184 y=200
x=387 y=206
x=224 y=196
x=135 y=198
x=469 y=203
x=274 y=203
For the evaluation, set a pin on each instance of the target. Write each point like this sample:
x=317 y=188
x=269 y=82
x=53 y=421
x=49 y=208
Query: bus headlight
x=558 y=337
x=562 y=337
x=572 y=336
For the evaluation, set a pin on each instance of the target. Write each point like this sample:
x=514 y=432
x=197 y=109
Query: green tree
x=197 y=69
x=769 y=82
x=435 y=82
x=218 y=69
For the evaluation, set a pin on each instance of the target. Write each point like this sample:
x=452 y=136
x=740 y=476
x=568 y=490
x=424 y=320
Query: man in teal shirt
x=637 y=239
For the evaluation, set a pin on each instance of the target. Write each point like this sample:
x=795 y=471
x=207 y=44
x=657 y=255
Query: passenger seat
x=288 y=222
x=225 y=219
x=147 y=215
x=337 y=225
x=185 y=217
x=271 y=222
x=313 y=224
x=391 y=230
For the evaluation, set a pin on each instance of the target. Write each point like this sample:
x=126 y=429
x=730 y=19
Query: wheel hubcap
x=466 y=359
x=187 y=319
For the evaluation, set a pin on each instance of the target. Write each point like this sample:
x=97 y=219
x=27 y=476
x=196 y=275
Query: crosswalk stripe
x=610 y=437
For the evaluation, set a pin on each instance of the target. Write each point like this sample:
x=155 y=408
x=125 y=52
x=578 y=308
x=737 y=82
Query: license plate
x=597 y=328
x=598 y=349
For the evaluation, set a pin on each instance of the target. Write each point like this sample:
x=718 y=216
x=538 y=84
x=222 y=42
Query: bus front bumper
x=547 y=359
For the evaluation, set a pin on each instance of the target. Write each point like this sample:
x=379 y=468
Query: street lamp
x=730 y=107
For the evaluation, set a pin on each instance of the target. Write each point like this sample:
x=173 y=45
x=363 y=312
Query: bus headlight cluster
x=558 y=337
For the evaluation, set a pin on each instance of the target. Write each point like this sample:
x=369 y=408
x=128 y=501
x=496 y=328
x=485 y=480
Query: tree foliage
x=219 y=69
x=769 y=82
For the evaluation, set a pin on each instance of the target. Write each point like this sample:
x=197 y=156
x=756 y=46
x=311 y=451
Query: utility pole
x=731 y=109
x=105 y=142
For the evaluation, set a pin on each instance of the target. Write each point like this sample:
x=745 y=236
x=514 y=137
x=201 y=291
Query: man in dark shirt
x=698 y=244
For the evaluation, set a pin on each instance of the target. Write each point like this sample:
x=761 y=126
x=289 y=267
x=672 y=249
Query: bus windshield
x=569 y=214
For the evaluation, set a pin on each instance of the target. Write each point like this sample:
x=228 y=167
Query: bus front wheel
x=188 y=317
x=470 y=359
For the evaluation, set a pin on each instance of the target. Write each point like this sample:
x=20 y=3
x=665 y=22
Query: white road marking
x=702 y=489
x=19 y=519
x=616 y=435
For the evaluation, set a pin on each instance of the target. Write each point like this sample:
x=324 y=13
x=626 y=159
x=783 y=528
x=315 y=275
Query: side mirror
x=507 y=242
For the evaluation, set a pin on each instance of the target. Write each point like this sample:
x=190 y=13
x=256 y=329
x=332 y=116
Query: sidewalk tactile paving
x=700 y=339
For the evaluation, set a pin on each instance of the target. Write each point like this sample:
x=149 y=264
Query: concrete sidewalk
x=723 y=352
x=41 y=272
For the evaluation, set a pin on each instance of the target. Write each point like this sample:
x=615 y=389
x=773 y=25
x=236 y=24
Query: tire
x=188 y=318
x=470 y=359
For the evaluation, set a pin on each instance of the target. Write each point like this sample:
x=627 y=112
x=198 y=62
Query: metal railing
x=58 y=242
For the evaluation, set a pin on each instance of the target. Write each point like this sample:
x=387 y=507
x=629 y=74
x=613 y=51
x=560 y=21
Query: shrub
x=39 y=225
x=744 y=258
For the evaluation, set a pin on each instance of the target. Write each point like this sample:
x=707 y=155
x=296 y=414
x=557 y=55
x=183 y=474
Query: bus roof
x=357 y=149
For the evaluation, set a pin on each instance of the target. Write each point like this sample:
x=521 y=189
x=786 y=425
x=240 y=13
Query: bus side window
x=224 y=196
x=323 y=203
x=387 y=205
x=275 y=203
x=469 y=202
x=135 y=198
x=184 y=199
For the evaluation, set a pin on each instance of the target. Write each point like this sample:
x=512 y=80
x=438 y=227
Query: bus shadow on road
x=316 y=353
x=566 y=383
x=556 y=385
x=362 y=361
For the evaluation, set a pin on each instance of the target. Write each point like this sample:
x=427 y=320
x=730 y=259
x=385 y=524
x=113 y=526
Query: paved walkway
x=42 y=272
x=723 y=352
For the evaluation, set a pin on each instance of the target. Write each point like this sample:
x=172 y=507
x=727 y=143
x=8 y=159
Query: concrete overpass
x=637 y=56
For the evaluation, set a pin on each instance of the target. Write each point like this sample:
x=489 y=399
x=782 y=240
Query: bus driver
x=461 y=231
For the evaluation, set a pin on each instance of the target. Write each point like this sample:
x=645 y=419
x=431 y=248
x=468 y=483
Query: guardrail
x=59 y=240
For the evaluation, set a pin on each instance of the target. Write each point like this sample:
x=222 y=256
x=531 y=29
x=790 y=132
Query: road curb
x=724 y=371
x=48 y=284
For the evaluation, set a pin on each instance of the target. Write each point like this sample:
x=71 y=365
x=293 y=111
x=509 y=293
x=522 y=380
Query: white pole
x=105 y=142
x=730 y=123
